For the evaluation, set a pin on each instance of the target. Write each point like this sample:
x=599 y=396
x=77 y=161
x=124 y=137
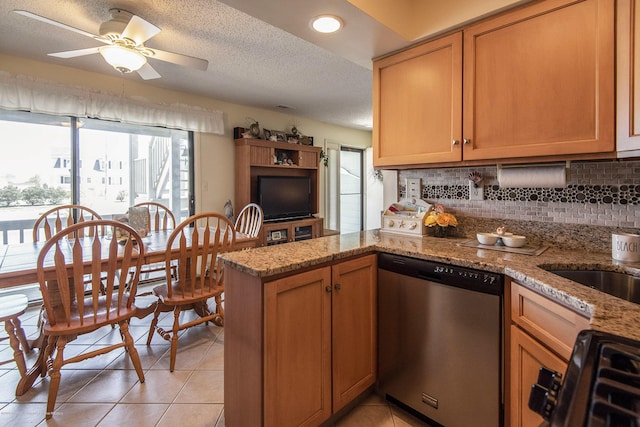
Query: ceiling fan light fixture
x=327 y=23
x=123 y=59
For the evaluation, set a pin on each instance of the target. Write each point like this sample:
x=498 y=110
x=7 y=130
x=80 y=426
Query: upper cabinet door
x=628 y=78
x=417 y=104
x=539 y=81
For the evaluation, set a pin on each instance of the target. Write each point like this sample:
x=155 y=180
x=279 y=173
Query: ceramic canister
x=625 y=247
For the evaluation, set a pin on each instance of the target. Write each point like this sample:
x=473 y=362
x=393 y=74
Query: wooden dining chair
x=200 y=238
x=61 y=217
x=11 y=308
x=71 y=310
x=160 y=218
x=249 y=221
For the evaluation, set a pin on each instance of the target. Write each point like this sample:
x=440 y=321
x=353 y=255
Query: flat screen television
x=284 y=197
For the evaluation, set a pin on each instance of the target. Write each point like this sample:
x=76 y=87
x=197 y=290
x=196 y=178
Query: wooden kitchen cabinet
x=320 y=341
x=417 y=104
x=538 y=81
x=319 y=351
x=537 y=84
x=527 y=357
x=297 y=379
x=542 y=333
x=628 y=78
x=354 y=328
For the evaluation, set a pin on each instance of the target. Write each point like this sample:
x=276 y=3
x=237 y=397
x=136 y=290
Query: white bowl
x=487 y=238
x=514 y=241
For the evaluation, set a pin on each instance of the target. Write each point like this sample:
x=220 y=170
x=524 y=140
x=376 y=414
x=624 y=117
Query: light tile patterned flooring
x=105 y=391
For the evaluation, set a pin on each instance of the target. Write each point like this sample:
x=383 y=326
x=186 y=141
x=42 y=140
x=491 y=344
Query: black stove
x=601 y=387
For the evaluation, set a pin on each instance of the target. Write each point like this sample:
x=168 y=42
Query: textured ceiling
x=261 y=53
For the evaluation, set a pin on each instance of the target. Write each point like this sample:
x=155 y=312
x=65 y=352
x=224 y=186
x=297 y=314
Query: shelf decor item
x=306 y=140
x=280 y=135
x=406 y=217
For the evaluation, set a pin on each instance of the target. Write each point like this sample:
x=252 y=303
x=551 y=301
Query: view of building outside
x=117 y=166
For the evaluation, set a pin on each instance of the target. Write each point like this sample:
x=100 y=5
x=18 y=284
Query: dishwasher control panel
x=451 y=275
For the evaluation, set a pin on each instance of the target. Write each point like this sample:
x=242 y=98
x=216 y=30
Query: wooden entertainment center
x=256 y=157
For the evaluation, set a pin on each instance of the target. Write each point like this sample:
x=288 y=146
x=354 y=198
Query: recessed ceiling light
x=326 y=23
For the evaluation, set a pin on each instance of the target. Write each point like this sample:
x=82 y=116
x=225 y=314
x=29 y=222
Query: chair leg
x=54 y=375
x=131 y=349
x=12 y=326
x=219 y=321
x=174 y=338
x=49 y=344
x=154 y=323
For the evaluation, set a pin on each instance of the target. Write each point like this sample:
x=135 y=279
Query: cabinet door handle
x=337 y=286
x=455 y=142
x=466 y=141
x=328 y=288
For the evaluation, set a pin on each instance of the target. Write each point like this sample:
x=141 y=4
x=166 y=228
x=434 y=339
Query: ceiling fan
x=124 y=36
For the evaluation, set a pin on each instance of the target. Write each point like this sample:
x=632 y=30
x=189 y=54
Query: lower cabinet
x=527 y=357
x=297 y=378
x=542 y=333
x=320 y=341
x=318 y=330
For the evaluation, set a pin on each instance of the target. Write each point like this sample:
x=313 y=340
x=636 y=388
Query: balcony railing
x=17 y=231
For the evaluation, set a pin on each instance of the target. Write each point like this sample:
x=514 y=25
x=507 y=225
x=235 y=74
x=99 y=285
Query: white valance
x=40 y=96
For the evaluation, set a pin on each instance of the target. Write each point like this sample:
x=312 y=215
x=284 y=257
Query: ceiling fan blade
x=139 y=30
x=57 y=24
x=75 y=53
x=148 y=73
x=184 y=60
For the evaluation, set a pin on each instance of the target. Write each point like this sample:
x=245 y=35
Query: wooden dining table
x=18 y=261
x=18 y=267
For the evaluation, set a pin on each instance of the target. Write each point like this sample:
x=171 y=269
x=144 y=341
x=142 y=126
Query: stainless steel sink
x=614 y=283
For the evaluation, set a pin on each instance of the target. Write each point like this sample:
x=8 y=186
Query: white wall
x=214 y=154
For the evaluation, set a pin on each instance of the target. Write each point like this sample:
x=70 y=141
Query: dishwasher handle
x=428 y=275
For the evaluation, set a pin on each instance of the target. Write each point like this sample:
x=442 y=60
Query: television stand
x=275 y=233
x=258 y=157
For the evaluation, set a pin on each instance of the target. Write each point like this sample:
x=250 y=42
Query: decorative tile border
x=595 y=194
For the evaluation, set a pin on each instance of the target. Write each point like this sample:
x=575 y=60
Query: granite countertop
x=607 y=313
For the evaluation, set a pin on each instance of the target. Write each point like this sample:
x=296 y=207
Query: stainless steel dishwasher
x=440 y=341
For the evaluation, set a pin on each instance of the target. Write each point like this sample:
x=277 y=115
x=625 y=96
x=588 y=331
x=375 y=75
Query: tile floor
x=105 y=391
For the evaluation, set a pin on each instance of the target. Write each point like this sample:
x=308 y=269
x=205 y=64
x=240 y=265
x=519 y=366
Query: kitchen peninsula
x=250 y=274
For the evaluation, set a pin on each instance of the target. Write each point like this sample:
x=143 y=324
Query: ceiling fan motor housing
x=113 y=28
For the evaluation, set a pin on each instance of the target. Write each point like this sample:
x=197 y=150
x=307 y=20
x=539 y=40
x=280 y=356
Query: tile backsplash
x=604 y=195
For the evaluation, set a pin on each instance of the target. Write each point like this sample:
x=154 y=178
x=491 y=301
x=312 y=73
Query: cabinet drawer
x=551 y=323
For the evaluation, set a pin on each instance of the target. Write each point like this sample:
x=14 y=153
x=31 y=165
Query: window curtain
x=41 y=96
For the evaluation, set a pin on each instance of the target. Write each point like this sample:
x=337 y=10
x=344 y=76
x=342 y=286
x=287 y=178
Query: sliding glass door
x=125 y=165
x=49 y=160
